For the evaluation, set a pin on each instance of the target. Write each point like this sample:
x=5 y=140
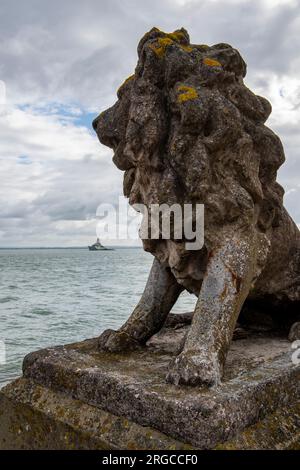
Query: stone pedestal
x=74 y=397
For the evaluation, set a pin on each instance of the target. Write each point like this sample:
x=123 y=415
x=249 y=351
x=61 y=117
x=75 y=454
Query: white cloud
x=45 y=138
x=51 y=173
x=284 y=94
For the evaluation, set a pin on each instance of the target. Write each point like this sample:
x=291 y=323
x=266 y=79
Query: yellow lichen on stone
x=212 y=62
x=160 y=47
x=188 y=93
x=165 y=42
x=176 y=36
x=131 y=77
x=186 y=48
x=159 y=51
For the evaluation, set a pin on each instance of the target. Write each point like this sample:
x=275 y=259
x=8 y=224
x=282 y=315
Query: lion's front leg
x=159 y=296
x=225 y=287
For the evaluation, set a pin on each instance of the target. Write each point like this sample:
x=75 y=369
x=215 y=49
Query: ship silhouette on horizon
x=98 y=246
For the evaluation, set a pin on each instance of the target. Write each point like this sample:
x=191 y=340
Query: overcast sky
x=61 y=62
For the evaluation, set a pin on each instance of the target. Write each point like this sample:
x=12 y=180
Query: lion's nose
x=107 y=129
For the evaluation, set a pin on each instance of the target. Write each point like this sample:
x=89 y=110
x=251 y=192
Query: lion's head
x=186 y=129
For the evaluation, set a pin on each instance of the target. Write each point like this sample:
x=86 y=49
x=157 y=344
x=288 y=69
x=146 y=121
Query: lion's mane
x=186 y=129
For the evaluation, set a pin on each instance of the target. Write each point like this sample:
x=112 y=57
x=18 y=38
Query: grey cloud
x=81 y=50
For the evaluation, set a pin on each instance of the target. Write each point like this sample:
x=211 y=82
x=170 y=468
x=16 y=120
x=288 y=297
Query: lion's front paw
x=191 y=368
x=117 y=341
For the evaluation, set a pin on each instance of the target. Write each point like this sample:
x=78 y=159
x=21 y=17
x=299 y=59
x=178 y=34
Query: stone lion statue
x=186 y=129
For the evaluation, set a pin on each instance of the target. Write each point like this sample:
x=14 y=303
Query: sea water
x=56 y=296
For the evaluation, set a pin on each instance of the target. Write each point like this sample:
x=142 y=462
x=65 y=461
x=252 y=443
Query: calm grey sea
x=57 y=296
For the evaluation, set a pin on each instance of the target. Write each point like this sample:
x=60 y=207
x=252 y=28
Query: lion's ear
x=184 y=35
x=152 y=34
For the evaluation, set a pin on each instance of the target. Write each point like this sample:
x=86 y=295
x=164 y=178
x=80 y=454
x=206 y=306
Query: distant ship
x=98 y=246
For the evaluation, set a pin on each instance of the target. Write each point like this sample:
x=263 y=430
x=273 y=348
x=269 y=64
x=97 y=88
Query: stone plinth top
x=260 y=377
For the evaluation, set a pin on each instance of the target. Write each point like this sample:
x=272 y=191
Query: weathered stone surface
x=260 y=379
x=278 y=431
x=186 y=129
x=35 y=417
